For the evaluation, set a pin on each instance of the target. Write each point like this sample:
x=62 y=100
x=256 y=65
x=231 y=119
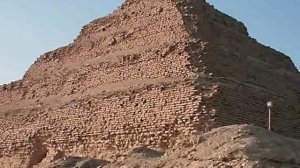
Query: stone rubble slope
x=236 y=146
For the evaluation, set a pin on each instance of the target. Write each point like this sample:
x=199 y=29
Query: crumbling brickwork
x=247 y=73
x=151 y=71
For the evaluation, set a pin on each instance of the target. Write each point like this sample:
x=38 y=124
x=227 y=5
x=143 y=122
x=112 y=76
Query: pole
x=269 y=119
x=269 y=105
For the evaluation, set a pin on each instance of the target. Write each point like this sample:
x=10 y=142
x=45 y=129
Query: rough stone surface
x=151 y=71
x=236 y=146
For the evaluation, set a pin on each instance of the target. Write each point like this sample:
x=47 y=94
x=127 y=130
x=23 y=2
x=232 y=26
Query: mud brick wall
x=130 y=40
x=248 y=74
x=238 y=103
x=151 y=116
x=228 y=51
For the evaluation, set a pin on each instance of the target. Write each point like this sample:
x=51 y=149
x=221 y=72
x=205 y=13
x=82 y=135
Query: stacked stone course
x=248 y=74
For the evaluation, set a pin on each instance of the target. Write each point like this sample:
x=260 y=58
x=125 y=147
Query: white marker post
x=269 y=105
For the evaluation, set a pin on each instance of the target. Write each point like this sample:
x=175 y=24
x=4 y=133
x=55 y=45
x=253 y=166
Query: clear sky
x=29 y=28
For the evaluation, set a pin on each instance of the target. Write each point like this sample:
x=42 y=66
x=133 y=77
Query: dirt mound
x=76 y=162
x=237 y=146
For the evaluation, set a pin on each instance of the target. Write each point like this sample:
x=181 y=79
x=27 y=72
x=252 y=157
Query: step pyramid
x=147 y=73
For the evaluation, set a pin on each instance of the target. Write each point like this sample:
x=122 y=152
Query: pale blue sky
x=29 y=28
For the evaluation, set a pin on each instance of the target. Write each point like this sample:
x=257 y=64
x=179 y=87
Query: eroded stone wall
x=241 y=103
x=125 y=81
x=153 y=116
x=248 y=74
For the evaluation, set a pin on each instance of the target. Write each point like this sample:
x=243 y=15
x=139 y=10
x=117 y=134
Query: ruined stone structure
x=147 y=73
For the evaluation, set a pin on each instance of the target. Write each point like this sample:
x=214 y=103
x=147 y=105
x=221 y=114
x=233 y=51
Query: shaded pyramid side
x=247 y=73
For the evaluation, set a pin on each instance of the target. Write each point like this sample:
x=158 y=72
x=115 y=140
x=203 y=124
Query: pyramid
x=149 y=72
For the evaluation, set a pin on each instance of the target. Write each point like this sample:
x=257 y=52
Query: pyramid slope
x=148 y=73
x=245 y=73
